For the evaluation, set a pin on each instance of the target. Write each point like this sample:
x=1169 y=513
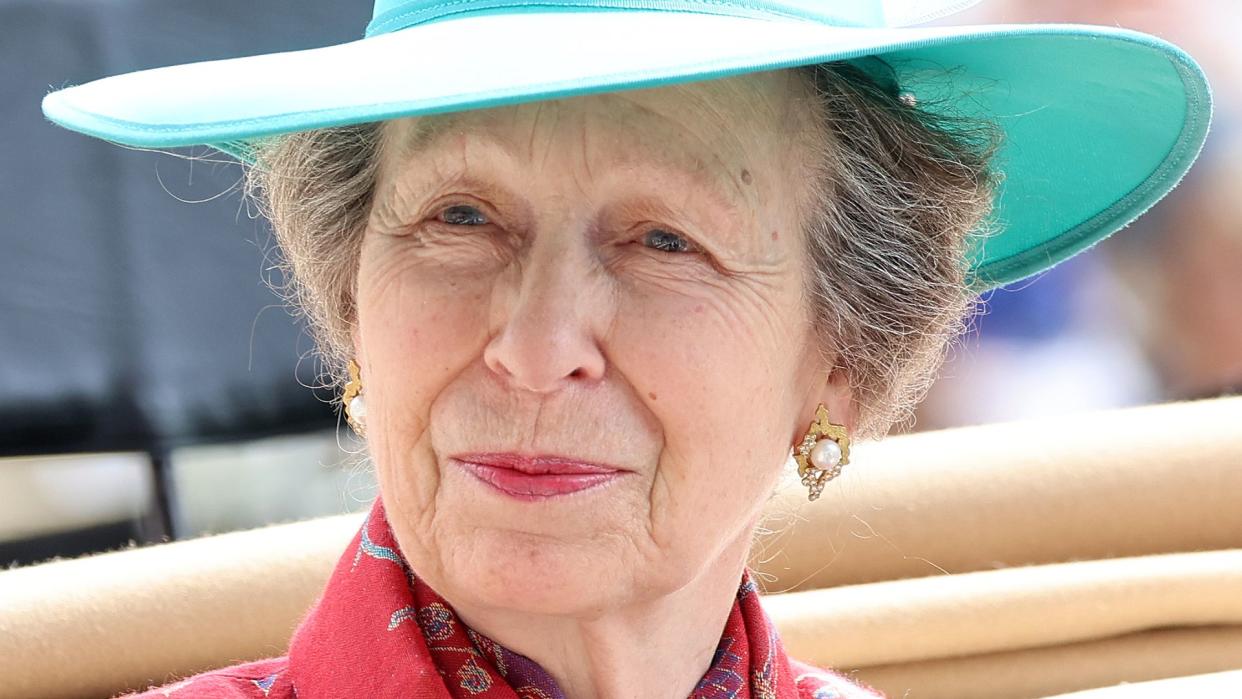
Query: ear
x=837 y=397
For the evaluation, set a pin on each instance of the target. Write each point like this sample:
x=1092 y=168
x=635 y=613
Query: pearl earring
x=355 y=404
x=822 y=452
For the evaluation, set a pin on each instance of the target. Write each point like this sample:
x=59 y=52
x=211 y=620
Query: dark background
x=131 y=320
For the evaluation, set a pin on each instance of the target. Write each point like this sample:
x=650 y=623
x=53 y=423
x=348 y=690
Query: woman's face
x=614 y=279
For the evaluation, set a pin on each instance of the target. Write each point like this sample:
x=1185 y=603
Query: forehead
x=711 y=131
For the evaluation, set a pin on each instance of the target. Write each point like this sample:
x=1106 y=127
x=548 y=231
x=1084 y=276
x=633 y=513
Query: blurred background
x=152 y=386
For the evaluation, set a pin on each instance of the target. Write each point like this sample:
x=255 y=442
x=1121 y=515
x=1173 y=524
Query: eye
x=667 y=241
x=463 y=215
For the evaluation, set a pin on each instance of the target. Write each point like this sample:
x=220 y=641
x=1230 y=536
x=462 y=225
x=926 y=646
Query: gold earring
x=822 y=452
x=355 y=404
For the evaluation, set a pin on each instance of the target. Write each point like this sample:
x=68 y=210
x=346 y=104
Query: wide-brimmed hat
x=1098 y=123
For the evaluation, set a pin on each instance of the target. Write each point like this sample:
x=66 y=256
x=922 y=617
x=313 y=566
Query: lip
x=538 y=477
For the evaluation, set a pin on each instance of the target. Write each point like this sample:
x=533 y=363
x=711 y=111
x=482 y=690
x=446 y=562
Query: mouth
x=538 y=477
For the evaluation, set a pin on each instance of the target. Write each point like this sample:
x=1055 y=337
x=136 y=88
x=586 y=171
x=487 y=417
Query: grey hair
x=896 y=193
x=899 y=191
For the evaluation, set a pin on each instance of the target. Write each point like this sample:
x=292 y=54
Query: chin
x=538 y=575
x=575 y=556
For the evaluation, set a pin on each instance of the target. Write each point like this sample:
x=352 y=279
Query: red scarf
x=380 y=631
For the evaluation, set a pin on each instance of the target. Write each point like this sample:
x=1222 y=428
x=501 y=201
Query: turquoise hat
x=1098 y=123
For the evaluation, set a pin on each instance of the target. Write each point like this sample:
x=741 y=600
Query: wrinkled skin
x=617 y=278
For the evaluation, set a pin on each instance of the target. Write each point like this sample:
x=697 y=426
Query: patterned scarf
x=380 y=631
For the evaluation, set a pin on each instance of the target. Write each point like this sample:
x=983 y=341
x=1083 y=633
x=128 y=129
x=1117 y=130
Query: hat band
x=393 y=15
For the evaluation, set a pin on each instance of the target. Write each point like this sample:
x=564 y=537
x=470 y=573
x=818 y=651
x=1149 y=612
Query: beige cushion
x=1015 y=560
x=1215 y=684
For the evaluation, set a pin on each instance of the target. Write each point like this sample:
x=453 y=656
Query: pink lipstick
x=535 y=477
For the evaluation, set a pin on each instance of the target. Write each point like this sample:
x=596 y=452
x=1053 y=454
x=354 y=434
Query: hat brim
x=1098 y=123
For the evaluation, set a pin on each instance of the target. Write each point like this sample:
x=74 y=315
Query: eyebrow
x=429 y=131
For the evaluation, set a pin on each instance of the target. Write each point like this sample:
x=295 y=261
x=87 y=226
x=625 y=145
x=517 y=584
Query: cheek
x=417 y=331
x=706 y=356
x=716 y=370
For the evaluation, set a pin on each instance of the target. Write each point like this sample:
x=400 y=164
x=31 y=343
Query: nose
x=550 y=320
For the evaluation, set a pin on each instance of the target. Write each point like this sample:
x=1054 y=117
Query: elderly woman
x=592 y=276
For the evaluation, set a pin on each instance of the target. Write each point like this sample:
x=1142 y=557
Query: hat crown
x=393 y=15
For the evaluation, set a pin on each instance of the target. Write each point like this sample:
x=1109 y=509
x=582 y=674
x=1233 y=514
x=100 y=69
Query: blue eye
x=667 y=241
x=463 y=215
